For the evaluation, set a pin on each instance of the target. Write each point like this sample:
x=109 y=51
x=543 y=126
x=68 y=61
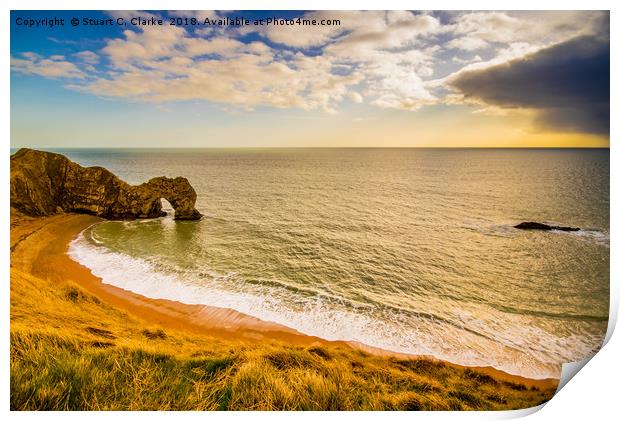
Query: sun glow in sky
x=397 y=79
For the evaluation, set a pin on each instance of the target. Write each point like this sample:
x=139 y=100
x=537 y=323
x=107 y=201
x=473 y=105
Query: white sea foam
x=596 y=236
x=502 y=343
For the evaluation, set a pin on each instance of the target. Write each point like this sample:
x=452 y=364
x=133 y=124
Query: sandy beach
x=39 y=247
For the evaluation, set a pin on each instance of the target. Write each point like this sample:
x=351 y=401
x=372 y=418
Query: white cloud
x=88 y=57
x=387 y=50
x=467 y=44
x=460 y=60
x=149 y=43
x=53 y=67
x=383 y=34
x=355 y=97
x=490 y=27
x=476 y=30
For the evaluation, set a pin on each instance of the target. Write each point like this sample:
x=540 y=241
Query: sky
x=376 y=79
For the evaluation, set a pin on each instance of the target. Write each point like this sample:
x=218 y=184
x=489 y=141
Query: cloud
x=53 y=67
x=149 y=43
x=567 y=85
x=467 y=44
x=386 y=49
x=394 y=30
x=477 y=29
x=460 y=60
x=483 y=27
x=87 y=57
x=62 y=41
x=355 y=97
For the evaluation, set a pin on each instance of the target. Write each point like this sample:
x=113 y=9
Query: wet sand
x=39 y=247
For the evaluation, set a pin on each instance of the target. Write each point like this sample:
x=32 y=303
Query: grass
x=71 y=351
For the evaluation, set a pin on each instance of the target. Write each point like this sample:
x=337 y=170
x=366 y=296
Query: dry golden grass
x=71 y=351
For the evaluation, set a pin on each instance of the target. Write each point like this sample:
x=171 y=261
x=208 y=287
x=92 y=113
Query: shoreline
x=39 y=247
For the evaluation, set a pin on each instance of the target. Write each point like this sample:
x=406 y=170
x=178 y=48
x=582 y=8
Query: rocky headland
x=46 y=183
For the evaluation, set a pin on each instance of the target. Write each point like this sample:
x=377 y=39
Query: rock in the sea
x=543 y=227
x=45 y=183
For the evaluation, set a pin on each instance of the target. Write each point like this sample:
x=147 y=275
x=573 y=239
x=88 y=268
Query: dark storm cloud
x=567 y=84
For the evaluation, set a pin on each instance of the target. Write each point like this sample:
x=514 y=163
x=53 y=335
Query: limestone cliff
x=45 y=183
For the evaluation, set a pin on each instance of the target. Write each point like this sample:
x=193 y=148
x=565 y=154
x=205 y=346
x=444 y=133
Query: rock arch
x=177 y=191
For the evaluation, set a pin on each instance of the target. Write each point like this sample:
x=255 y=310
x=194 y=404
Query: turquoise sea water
x=410 y=250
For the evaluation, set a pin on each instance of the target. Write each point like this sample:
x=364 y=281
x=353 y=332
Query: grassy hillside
x=71 y=351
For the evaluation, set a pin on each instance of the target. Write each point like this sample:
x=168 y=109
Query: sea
x=408 y=250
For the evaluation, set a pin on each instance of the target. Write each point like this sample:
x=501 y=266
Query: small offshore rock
x=543 y=227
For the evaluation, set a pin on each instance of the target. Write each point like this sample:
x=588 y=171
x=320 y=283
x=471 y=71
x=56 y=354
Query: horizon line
x=298 y=147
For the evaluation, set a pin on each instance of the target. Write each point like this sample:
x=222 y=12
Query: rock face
x=45 y=183
x=543 y=227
